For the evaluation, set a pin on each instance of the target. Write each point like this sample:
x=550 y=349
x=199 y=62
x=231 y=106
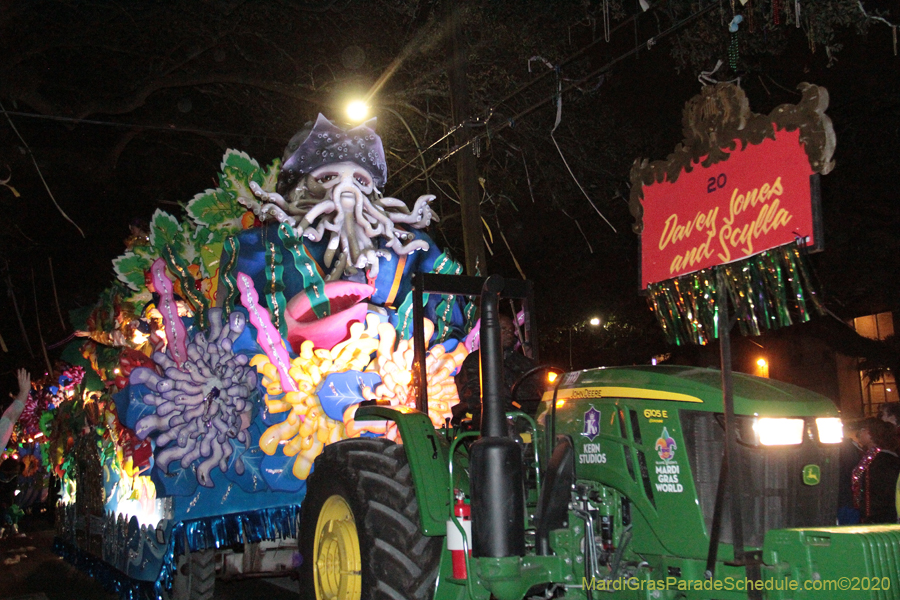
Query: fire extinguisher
x=463 y=512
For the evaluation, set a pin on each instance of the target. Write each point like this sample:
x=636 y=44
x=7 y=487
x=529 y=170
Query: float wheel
x=195 y=576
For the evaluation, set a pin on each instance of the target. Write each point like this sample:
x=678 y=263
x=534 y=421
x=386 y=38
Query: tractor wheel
x=195 y=576
x=359 y=530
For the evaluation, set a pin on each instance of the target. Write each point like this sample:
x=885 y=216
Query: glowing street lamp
x=593 y=322
x=762 y=367
x=357 y=110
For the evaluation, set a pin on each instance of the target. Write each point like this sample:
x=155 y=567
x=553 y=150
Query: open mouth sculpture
x=346 y=299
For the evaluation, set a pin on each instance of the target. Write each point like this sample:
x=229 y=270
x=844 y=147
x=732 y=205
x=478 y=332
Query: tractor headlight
x=779 y=432
x=831 y=430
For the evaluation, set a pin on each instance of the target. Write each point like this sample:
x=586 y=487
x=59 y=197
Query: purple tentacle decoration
x=267 y=335
x=203 y=402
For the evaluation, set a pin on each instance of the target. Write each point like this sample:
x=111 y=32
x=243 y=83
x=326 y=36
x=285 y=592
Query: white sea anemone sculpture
x=202 y=405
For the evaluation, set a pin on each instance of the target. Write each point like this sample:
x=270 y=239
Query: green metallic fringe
x=769 y=290
x=230 y=250
x=197 y=300
x=313 y=284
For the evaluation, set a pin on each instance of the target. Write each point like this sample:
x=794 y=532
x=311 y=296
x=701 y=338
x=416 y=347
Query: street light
x=357 y=110
x=593 y=322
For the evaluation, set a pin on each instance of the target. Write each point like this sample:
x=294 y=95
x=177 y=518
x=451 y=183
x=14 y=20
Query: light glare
x=357 y=110
x=831 y=430
x=779 y=432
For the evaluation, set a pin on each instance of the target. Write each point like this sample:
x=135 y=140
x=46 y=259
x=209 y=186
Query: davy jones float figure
x=363 y=245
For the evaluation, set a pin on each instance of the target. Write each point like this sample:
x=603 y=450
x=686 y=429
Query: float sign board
x=761 y=197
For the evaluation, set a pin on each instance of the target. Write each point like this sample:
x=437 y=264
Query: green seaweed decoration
x=192 y=246
x=444 y=265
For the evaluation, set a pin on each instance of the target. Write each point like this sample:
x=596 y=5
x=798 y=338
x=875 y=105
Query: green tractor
x=619 y=493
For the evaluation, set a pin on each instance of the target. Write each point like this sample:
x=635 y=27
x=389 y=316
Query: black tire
x=195 y=576
x=396 y=560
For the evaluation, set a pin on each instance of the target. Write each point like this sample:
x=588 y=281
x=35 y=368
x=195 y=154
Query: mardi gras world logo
x=665 y=445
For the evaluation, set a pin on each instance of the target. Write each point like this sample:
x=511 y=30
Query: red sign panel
x=757 y=199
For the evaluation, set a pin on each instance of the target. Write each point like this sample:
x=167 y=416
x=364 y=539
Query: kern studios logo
x=591 y=424
x=665 y=446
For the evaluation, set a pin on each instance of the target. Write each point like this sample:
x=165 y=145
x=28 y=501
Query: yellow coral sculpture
x=394 y=364
x=307 y=428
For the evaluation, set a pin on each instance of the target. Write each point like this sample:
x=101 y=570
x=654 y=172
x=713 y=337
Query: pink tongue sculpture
x=346 y=306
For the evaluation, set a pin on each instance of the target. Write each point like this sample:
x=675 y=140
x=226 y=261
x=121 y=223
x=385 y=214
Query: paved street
x=29 y=570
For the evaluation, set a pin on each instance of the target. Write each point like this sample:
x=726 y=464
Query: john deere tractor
x=617 y=490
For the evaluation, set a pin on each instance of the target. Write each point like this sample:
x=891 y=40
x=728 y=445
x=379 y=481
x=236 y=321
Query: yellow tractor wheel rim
x=336 y=553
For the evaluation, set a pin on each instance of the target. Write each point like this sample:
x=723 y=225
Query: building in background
x=808 y=361
x=861 y=390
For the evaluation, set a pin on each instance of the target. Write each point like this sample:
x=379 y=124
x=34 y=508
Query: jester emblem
x=665 y=446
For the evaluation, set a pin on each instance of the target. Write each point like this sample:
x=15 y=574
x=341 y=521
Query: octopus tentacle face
x=328 y=190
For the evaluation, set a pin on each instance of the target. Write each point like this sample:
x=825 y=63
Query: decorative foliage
x=219 y=209
x=239 y=170
x=193 y=245
x=66 y=417
x=165 y=231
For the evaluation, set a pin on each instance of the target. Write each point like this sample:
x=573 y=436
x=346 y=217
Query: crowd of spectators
x=869 y=490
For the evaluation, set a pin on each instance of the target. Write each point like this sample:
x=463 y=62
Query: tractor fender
x=426 y=452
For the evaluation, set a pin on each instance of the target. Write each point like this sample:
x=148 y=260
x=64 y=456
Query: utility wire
x=40 y=174
x=568 y=60
x=575 y=84
x=478 y=121
x=121 y=125
x=524 y=87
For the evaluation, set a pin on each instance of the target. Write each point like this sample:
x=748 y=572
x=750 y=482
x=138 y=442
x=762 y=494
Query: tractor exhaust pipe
x=498 y=491
x=493 y=413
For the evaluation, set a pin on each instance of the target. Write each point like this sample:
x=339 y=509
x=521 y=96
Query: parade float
x=242 y=347
x=236 y=342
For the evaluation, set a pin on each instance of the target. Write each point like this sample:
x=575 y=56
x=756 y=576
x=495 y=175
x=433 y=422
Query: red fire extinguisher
x=463 y=512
